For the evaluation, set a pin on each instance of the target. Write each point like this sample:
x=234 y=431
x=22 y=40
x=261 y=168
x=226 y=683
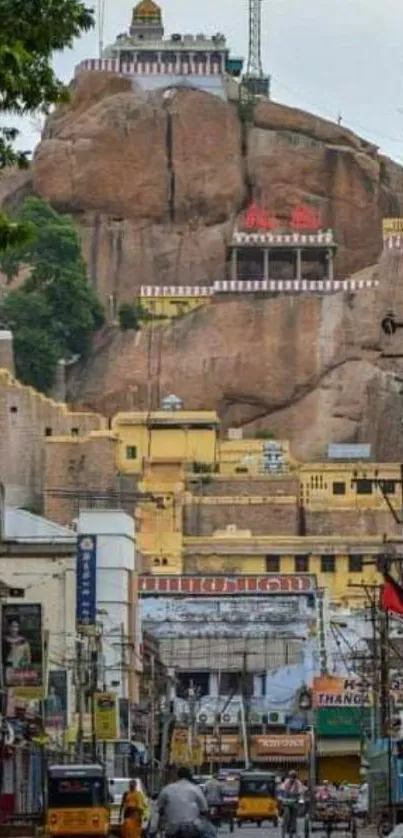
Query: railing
x=259 y=286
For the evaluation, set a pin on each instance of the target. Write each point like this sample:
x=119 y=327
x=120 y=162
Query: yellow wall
x=317 y=490
x=193 y=439
x=172 y=307
x=241 y=554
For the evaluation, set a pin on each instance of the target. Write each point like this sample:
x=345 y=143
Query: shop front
x=282 y=752
x=340 y=732
x=206 y=750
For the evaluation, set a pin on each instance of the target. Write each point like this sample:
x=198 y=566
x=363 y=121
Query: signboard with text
x=342 y=721
x=23 y=649
x=334 y=691
x=106 y=716
x=263 y=585
x=86 y=607
x=282 y=744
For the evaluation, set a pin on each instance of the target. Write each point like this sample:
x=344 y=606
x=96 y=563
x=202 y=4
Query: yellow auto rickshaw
x=78 y=801
x=257 y=798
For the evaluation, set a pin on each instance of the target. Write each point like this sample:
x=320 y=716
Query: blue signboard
x=86 y=609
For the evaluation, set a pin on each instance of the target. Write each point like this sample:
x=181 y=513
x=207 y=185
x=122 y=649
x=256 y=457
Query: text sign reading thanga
x=333 y=691
x=86 y=610
x=226 y=585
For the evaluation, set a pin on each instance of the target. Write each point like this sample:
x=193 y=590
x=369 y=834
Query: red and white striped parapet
x=323 y=238
x=149 y=68
x=253 y=286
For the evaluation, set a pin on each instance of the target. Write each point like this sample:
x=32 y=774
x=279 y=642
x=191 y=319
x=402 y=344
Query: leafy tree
x=55 y=312
x=30 y=32
x=130 y=315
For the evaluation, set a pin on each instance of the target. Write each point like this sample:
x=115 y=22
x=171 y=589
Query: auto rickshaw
x=257 y=798
x=78 y=801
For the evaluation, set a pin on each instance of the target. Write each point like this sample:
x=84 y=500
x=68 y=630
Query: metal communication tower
x=255 y=80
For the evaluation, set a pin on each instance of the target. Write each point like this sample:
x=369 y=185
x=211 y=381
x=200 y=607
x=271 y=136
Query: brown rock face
x=157 y=181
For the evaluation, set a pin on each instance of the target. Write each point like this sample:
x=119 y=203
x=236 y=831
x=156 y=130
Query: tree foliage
x=30 y=32
x=55 y=312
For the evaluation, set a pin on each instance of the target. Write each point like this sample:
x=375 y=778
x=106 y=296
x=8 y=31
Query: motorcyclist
x=182 y=807
x=292 y=786
x=213 y=791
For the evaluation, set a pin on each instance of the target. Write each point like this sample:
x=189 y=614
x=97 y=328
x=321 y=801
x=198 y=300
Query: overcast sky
x=326 y=56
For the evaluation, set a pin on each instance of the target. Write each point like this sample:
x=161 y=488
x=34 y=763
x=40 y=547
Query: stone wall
x=267 y=487
x=350 y=522
x=78 y=466
x=201 y=519
x=27 y=419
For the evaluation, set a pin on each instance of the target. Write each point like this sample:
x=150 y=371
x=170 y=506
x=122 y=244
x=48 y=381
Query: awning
x=338 y=747
x=280 y=759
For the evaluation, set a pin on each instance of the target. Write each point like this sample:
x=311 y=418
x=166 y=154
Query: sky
x=331 y=57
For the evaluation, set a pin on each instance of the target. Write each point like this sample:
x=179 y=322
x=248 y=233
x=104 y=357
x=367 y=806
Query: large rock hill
x=156 y=183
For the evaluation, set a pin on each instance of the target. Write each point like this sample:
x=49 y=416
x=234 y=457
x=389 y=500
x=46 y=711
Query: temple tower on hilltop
x=147 y=21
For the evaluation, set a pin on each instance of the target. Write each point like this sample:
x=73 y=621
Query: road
x=267 y=831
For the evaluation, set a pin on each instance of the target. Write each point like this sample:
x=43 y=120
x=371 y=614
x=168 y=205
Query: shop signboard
x=56 y=699
x=342 y=721
x=335 y=691
x=86 y=605
x=290 y=745
x=106 y=716
x=242 y=585
x=23 y=650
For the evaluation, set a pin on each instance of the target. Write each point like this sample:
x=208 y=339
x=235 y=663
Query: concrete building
x=156 y=62
x=117 y=600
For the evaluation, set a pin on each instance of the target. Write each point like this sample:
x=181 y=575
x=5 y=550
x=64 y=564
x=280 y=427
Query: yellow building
x=244 y=505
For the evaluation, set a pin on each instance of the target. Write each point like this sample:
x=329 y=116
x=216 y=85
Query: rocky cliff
x=156 y=183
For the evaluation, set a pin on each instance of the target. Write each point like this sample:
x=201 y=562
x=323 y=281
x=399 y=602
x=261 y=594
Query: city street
x=251 y=831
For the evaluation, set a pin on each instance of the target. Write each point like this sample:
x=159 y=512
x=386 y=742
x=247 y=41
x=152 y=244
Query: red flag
x=392 y=596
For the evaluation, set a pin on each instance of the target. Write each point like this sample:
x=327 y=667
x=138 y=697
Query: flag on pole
x=392 y=596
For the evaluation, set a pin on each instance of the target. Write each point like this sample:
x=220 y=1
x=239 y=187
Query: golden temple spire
x=146 y=12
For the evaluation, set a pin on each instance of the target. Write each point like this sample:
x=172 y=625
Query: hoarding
x=333 y=691
x=106 y=716
x=23 y=649
x=86 y=601
x=346 y=451
x=223 y=585
x=282 y=745
x=55 y=704
x=342 y=721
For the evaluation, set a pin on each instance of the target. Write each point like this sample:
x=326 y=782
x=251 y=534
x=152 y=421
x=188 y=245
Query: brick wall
x=87 y=464
x=350 y=522
x=201 y=519
x=244 y=486
x=26 y=417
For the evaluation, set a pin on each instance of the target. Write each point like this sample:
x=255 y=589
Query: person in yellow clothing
x=132 y=809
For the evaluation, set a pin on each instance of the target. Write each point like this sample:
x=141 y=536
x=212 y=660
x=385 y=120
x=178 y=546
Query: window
x=131 y=452
x=388 y=486
x=301 y=564
x=74 y=431
x=327 y=564
x=48 y=431
x=339 y=488
x=272 y=564
x=364 y=487
x=355 y=563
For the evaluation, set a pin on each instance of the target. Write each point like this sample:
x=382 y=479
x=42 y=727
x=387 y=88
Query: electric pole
x=192 y=730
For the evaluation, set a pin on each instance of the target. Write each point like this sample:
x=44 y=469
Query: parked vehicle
x=78 y=802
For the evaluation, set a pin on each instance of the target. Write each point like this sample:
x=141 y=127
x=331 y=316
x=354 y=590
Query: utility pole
x=245 y=710
x=192 y=730
x=81 y=684
x=94 y=690
x=152 y=720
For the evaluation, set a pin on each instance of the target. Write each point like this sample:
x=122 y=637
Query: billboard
x=342 y=721
x=86 y=602
x=334 y=691
x=55 y=704
x=106 y=716
x=223 y=585
x=23 y=649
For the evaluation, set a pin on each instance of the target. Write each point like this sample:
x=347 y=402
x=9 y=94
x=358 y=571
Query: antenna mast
x=255 y=81
x=101 y=25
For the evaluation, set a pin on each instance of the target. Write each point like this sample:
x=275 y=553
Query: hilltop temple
x=155 y=61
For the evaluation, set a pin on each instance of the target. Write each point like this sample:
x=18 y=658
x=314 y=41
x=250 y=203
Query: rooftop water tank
x=172 y=403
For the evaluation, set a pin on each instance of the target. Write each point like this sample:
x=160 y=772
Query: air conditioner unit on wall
x=274 y=718
x=206 y=717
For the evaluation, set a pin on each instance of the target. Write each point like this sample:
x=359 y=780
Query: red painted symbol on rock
x=257 y=218
x=305 y=218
